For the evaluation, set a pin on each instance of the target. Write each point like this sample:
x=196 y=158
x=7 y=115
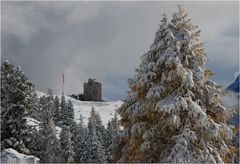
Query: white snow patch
x=33 y=122
x=12 y=156
x=58 y=131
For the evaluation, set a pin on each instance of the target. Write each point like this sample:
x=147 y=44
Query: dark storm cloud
x=104 y=40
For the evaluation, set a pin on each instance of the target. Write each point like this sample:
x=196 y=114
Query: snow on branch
x=196 y=111
x=180 y=152
x=156 y=91
x=138 y=128
x=172 y=104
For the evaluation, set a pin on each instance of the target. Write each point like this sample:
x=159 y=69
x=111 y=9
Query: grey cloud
x=104 y=40
x=231 y=31
x=231 y=100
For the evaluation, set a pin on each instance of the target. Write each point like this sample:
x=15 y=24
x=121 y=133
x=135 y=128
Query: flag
x=63 y=77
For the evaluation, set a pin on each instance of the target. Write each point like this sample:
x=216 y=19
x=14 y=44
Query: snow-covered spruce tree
x=67 y=152
x=37 y=145
x=51 y=103
x=41 y=133
x=68 y=114
x=62 y=106
x=43 y=118
x=79 y=141
x=39 y=113
x=102 y=132
x=94 y=149
x=113 y=125
x=48 y=143
x=68 y=118
x=92 y=117
x=18 y=101
x=95 y=120
x=57 y=114
x=112 y=131
x=173 y=113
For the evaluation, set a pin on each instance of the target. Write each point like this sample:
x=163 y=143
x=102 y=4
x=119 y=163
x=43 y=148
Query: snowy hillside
x=105 y=109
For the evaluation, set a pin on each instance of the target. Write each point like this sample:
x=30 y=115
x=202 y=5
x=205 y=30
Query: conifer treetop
x=173 y=113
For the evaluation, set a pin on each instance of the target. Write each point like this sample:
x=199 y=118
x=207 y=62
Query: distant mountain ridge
x=234 y=86
x=231 y=100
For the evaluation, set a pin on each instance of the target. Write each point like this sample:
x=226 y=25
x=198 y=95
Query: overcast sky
x=104 y=40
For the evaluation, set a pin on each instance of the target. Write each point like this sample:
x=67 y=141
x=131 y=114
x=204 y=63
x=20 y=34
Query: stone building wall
x=92 y=90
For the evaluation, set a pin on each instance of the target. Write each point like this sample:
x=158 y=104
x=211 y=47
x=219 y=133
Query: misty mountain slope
x=105 y=109
x=234 y=86
x=231 y=99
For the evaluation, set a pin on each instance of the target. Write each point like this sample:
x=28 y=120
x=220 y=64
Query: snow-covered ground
x=105 y=109
x=35 y=123
x=12 y=156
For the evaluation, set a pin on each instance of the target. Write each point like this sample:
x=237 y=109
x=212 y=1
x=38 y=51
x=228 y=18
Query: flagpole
x=63 y=84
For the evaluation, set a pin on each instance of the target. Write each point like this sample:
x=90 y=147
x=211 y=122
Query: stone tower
x=93 y=90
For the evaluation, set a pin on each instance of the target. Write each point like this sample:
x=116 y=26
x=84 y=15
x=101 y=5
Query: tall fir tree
x=51 y=144
x=173 y=113
x=111 y=138
x=68 y=114
x=62 y=106
x=68 y=118
x=92 y=120
x=57 y=114
x=18 y=101
x=67 y=152
x=79 y=141
x=43 y=117
x=113 y=125
x=42 y=102
x=37 y=144
x=51 y=103
x=94 y=149
x=48 y=144
x=101 y=132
